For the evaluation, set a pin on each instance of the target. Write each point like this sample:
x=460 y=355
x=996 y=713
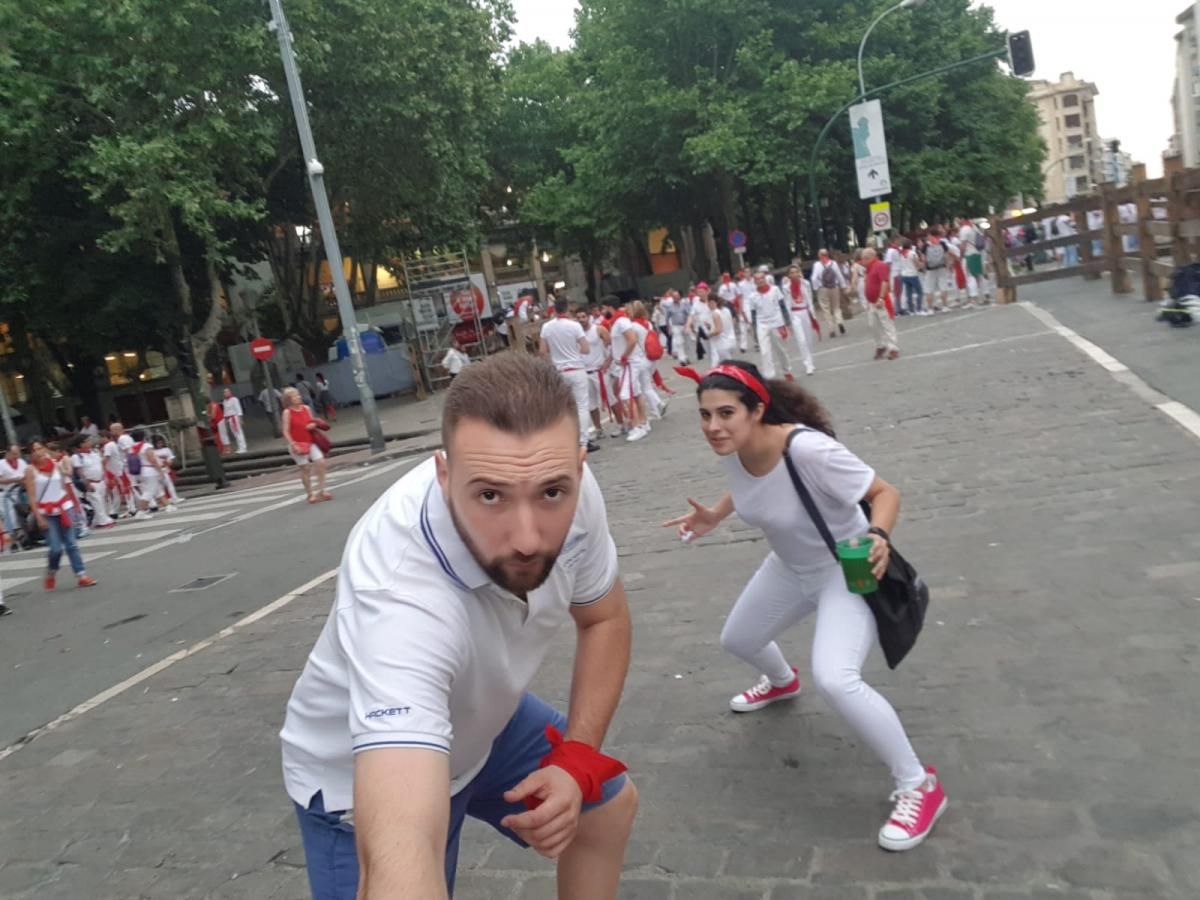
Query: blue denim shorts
x=329 y=842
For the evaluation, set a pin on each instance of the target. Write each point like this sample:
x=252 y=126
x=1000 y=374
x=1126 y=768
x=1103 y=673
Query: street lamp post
x=903 y=4
x=316 y=179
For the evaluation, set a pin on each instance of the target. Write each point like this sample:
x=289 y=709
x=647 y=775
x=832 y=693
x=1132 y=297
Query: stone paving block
x=482 y=886
x=818 y=892
x=861 y=862
x=1114 y=867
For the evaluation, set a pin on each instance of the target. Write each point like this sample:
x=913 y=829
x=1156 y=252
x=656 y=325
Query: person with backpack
x=629 y=359
x=828 y=281
x=773 y=438
x=145 y=465
x=973 y=242
x=908 y=267
x=939 y=275
x=565 y=344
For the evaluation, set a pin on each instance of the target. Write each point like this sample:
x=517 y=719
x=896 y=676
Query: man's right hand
x=42 y=523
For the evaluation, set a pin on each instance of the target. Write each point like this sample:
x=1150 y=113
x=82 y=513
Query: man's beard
x=533 y=571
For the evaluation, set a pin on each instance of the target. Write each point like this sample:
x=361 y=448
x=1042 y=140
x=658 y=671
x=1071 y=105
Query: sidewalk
x=1052 y=511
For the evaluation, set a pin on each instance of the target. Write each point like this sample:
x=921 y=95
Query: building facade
x=1075 y=153
x=1185 y=98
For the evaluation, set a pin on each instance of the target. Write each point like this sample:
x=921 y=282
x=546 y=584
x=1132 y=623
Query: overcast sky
x=1128 y=51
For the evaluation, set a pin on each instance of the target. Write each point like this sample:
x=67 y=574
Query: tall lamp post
x=316 y=180
x=903 y=4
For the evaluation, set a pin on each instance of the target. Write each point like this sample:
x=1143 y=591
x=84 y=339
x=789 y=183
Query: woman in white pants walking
x=798 y=293
x=722 y=338
x=751 y=423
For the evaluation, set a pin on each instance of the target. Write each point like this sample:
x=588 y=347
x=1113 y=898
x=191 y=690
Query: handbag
x=902 y=598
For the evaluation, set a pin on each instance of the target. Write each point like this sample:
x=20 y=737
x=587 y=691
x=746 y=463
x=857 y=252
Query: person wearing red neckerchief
x=771 y=317
x=47 y=483
x=798 y=292
x=828 y=281
x=656 y=405
x=879 y=305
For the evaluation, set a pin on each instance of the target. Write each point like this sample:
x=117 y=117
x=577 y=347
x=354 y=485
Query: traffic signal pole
x=333 y=252
x=866 y=95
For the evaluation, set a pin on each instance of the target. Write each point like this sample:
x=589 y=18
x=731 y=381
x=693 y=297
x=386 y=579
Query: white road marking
x=274 y=507
x=161 y=519
x=36 y=559
x=9 y=583
x=941 y=320
x=942 y=352
x=106 y=538
x=1182 y=414
x=150 y=671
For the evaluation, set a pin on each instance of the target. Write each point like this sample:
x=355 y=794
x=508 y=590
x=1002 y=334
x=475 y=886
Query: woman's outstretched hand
x=699 y=522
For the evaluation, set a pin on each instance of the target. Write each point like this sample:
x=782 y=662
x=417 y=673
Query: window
x=1072 y=121
x=1081 y=184
x=1070 y=100
x=1075 y=140
x=1078 y=162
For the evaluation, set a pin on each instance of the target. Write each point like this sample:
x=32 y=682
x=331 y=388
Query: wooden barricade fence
x=1166 y=226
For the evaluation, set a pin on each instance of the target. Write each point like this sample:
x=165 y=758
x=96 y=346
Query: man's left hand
x=551 y=827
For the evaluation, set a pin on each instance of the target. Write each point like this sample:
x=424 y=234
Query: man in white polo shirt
x=564 y=342
x=412 y=710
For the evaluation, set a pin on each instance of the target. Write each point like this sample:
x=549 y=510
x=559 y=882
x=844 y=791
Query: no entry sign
x=262 y=349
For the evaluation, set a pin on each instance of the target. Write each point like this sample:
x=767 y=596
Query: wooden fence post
x=1147 y=244
x=1113 y=247
x=1177 y=213
x=1083 y=223
x=997 y=247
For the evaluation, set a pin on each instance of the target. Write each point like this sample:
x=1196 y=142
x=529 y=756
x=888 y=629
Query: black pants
x=666 y=333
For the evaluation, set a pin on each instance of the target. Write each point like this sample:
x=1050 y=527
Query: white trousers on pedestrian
x=679 y=344
x=882 y=327
x=778 y=597
x=577 y=380
x=720 y=350
x=742 y=329
x=775 y=360
x=805 y=336
x=643 y=371
x=97 y=497
x=239 y=433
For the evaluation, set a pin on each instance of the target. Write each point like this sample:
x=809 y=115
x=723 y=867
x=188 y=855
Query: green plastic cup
x=856 y=564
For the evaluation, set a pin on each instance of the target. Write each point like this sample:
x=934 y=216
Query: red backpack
x=654 y=347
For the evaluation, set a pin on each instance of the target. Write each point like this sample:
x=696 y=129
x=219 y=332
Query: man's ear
x=443 y=471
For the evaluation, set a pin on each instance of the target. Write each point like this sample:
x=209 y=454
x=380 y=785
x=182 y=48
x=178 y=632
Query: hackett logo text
x=392 y=711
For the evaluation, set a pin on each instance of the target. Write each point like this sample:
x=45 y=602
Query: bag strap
x=806 y=498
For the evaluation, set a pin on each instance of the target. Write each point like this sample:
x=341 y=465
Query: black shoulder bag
x=900 y=602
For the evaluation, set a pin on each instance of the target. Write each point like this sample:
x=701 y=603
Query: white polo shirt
x=421 y=649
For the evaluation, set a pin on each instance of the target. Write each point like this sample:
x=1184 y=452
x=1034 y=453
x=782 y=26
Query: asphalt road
x=61 y=649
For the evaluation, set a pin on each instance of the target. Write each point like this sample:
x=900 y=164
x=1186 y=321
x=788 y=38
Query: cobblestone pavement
x=1053 y=512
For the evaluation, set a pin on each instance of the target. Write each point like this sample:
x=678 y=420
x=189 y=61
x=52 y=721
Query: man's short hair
x=138 y=435
x=561 y=305
x=517 y=393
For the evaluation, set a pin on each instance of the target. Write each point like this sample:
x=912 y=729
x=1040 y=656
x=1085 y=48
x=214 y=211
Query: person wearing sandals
x=298 y=427
x=751 y=423
x=46 y=484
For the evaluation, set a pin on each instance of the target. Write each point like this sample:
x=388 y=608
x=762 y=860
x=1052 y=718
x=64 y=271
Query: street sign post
x=262 y=349
x=870 y=150
x=881 y=216
x=737 y=243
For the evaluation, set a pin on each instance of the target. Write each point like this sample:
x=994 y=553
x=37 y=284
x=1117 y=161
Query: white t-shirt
x=89 y=465
x=92 y=431
x=166 y=456
x=766 y=307
x=125 y=443
x=114 y=457
x=701 y=315
x=726 y=338
x=967 y=235
x=818 y=274
x=455 y=361
x=892 y=257
x=906 y=265
x=595 y=355
x=9 y=469
x=232 y=407
x=421 y=649
x=805 y=292
x=728 y=292
x=621 y=327
x=562 y=340
x=746 y=288
x=837 y=480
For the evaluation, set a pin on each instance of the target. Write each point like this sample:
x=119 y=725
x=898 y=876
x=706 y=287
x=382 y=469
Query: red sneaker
x=915 y=814
x=893 y=354
x=87 y=581
x=764 y=694
x=50 y=582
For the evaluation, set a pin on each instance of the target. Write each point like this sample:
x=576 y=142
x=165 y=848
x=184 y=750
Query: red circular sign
x=469 y=303
x=262 y=348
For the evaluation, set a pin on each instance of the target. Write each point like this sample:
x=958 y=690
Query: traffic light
x=1020 y=53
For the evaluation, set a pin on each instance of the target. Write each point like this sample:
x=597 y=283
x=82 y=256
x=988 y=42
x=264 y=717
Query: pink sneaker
x=764 y=694
x=915 y=814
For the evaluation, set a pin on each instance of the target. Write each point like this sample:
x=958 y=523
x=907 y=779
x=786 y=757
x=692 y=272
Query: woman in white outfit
x=798 y=293
x=751 y=423
x=723 y=341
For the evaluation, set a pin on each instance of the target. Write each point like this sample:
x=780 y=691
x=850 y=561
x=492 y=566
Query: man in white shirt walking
x=89 y=468
x=798 y=293
x=565 y=344
x=593 y=364
x=232 y=407
x=743 y=310
x=771 y=321
x=828 y=281
x=413 y=711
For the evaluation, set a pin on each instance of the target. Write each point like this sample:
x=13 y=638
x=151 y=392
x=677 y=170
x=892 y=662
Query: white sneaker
x=142 y=515
x=171 y=507
x=637 y=434
x=810 y=370
x=662 y=410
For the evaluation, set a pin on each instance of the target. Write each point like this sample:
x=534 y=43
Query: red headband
x=738 y=374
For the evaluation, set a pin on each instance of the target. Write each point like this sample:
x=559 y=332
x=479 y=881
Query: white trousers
x=720 y=350
x=805 y=336
x=778 y=597
x=577 y=380
x=742 y=328
x=679 y=344
x=97 y=497
x=775 y=360
x=882 y=327
x=239 y=433
x=643 y=371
